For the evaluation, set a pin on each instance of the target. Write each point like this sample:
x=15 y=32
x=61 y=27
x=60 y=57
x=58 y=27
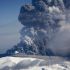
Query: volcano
x=41 y=21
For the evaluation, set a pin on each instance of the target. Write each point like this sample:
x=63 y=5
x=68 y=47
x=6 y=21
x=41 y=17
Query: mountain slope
x=30 y=63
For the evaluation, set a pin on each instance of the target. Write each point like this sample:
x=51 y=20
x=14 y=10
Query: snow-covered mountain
x=45 y=31
x=30 y=63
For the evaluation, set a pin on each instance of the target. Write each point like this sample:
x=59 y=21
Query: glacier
x=32 y=63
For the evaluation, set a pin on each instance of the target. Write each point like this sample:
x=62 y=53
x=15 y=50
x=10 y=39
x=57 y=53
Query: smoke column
x=42 y=21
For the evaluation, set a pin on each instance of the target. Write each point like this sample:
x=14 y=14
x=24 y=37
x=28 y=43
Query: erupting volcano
x=41 y=21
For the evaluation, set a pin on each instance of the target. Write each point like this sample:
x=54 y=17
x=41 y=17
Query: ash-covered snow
x=29 y=63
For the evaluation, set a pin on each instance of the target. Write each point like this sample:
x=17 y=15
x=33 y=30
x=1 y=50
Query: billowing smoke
x=61 y=43
x=42 y=22
x=67 y=3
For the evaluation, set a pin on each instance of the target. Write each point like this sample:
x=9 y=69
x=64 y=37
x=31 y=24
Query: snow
x=31 y=63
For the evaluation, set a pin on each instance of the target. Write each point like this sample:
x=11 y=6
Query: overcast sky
x=9 y=24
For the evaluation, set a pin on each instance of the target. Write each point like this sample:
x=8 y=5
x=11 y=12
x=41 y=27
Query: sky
x=9 y=24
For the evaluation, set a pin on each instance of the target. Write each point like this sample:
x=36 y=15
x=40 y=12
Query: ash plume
x=41 y=22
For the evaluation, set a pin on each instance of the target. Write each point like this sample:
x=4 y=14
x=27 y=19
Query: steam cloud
x=42 y=23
